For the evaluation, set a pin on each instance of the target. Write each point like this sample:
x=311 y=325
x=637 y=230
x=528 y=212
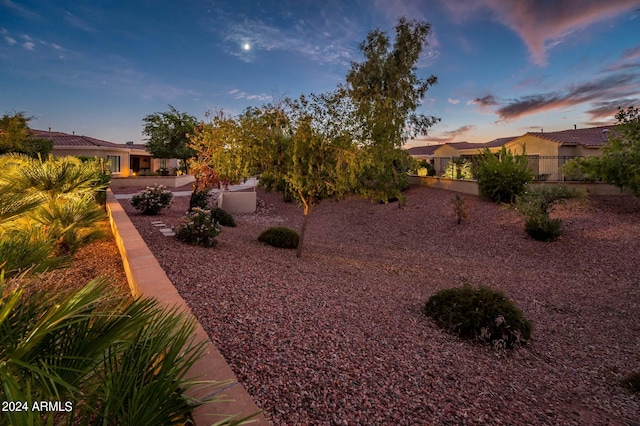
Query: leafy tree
x=168 y=134
x=323 y=156
x=619 y=163
x=307 y=150
x=15 y=136
x=386 y=91
x=220 y=152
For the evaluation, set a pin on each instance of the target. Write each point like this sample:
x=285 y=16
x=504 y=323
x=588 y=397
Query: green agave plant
x=114 y=359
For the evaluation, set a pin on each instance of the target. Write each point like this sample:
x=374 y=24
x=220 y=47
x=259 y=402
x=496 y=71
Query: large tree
x=15 y=136
x=168 y=134
x=619 y=163
x=386 y=91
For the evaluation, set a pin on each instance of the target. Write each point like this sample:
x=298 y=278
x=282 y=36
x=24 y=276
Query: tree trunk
x=307 y=212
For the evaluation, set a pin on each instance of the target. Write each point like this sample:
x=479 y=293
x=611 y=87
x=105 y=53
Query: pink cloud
x=543 y=24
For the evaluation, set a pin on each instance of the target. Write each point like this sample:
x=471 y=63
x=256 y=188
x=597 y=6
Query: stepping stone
x=153 y=222
x=167 y=232
x=159 y=225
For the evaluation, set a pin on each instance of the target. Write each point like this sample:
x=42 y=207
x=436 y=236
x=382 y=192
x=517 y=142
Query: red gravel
x=338 y=336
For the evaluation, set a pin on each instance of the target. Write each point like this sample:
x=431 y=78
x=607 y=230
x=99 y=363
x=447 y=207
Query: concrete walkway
x=250 y=183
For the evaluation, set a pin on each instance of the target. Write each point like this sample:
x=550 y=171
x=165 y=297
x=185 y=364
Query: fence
x=545 y=168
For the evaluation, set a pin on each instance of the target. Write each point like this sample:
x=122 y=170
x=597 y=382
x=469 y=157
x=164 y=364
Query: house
x=440 y=155
x=548 y=151
x=125 y=160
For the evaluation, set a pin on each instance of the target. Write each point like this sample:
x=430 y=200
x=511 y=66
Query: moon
x=246 y=46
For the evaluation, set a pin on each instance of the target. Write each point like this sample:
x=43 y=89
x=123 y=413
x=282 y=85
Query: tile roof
x=465 y=145
x=499 y=142
x=591 y=137
x=423 y=150
x=65 y=139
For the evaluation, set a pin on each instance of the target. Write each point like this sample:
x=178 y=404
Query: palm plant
x=47 y=209
x=118 y=360
x=70 y=222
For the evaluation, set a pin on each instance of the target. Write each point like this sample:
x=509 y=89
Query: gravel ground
x=338 y=337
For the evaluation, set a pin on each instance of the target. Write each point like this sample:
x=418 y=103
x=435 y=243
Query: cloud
x=20 y=10
x=453 y=101
x=28 y=45
x=606 y=110
x=542 y=24
x=324 y=36
x=238 y=94
x=609 y=88
x=10 y=41
x=632 y=53
x=449 y=136
x=628 y=60
x=484 y=102
x=77 y=22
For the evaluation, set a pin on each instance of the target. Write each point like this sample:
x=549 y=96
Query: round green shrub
x=198 y=227
x=480 y=314
x=223 y=217
x=280 y=237
x=543 y=228
x=152 y=199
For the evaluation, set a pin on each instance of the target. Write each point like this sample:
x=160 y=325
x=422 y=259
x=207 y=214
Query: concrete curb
x=147 y=278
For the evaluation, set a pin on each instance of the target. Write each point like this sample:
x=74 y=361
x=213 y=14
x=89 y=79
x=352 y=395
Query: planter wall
x=237 y=202
x=471 y=186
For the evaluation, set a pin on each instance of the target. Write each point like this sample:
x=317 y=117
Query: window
x=163 y=163
x=114 y=163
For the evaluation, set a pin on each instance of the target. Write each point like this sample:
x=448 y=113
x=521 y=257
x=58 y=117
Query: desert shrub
x=199 y=227
x=199 y=198
x=152 y=199
x=459 y=209
x=542 y=227
x=501 y=179
x=632 y=382
x=223 y=217
x=537 y=203
x=479 y=313
x=281 y=237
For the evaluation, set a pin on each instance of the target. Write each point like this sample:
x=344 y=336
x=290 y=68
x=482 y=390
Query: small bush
x=501 y=179
x=632 y=382
x=481 y=314
x=199 y=199
x=459 y=209
x=536 y=205
x=281 y=237
x=223 y=217
x=199 y=227
x=541 y=227
x=152 y=199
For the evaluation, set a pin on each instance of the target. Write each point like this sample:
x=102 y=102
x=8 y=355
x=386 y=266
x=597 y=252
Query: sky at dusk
x=504 y=67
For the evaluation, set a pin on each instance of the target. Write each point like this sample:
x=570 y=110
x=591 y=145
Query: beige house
x=548 y=152
x=125 y=159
